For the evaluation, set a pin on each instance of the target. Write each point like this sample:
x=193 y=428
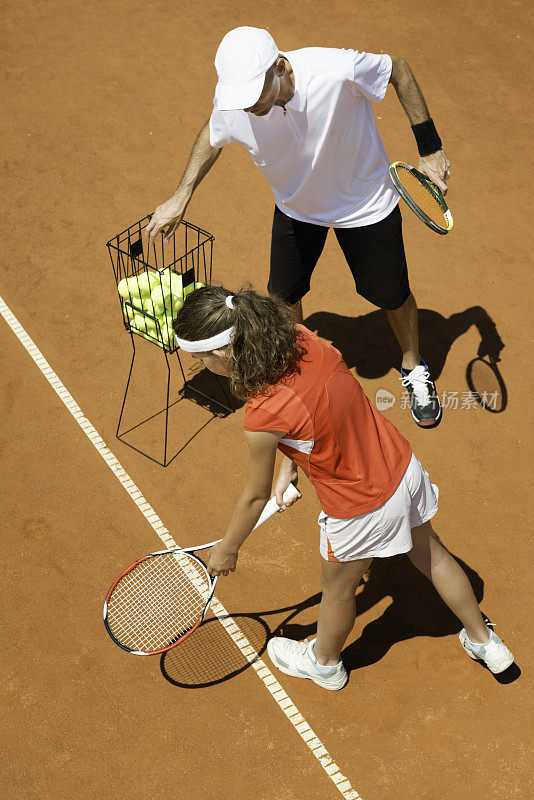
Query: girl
x=376 y=498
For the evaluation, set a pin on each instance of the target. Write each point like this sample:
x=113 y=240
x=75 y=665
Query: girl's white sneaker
x=298 y=659
x=493 y=653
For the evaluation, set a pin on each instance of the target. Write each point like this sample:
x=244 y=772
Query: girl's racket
x=159 y=601
x=422 y=196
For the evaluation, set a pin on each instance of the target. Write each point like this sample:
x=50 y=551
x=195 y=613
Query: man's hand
x=288 y=474
x=436 y=167
x=222 y=560
x=168 y=215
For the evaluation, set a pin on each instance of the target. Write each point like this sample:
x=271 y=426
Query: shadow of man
x=368 y=343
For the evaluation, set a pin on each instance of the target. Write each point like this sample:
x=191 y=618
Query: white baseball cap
x=242 y=59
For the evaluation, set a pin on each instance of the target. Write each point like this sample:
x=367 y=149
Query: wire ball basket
x=154 y=280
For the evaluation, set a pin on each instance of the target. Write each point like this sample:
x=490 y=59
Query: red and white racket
x=159 y=600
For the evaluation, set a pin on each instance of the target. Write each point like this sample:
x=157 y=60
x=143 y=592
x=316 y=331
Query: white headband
x=228 y=301
x=206 y=345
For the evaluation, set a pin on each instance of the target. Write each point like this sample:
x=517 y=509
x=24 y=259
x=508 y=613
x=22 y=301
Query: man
x=306 y=119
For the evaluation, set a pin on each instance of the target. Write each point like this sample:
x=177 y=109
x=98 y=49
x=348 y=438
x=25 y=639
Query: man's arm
x=433 y=164
x=169 y=214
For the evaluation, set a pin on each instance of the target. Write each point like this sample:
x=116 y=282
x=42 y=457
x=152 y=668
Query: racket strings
x=422 y=196
x=158 y=601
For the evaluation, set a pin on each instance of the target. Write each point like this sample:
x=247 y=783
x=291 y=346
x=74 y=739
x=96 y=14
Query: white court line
x=263 y=672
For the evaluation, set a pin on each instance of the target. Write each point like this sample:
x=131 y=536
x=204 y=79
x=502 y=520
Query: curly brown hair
x=266 y=345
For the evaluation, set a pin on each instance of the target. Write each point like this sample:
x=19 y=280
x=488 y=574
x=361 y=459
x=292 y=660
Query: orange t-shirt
x=353 y=455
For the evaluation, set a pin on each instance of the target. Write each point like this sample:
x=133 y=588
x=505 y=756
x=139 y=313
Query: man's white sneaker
x=493 y=653
x=298 y=659
x=424 y=400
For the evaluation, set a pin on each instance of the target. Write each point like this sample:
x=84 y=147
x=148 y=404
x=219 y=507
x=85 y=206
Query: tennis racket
x=422 y=196
x=159 y=600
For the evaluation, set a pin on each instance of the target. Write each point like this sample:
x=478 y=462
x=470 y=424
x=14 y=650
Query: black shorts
x=374 y=253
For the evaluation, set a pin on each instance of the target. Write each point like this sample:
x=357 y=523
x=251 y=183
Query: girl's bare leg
x=337 y=612
x=449 y=579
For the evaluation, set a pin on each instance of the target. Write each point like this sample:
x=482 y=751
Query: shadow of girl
x=416 y=609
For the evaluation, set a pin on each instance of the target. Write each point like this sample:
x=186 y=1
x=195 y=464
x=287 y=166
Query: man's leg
x=296 y=312
x=295 y=250
x=424 y=401
x=404 y=324
x=376 y=257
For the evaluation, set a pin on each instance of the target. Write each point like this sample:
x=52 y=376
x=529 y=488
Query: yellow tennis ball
x=151 y=337
x=130 y=288
x=160 y=294
x=173 y=304
x=164 y=274
x=148 y=306
x=162 y=336
x=150 y=277
x=145 y=282
x=144 y=324
x=137 y=285
x=161 y=316
x=173 y=280
x=169 y=319
x=170 y=300
x=168 y=335
x=123 y=289
x=138 y=322
x=154 y=309
x=191 y=288
x=128 y=312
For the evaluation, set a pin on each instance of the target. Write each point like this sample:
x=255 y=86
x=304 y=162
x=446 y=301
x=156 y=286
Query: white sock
x=321 y=667
x=481 y=644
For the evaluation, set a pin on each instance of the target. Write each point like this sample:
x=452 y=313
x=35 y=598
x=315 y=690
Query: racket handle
x=272 y=506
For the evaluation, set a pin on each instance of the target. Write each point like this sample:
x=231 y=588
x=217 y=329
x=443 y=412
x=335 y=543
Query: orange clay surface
x=101 y=103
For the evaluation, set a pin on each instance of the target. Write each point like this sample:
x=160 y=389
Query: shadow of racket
x=487 y=384
x=210 y=656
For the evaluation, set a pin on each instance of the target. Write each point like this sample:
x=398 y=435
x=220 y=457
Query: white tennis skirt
x=386 y=531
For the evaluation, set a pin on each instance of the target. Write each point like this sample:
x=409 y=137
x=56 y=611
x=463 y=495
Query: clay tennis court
x=102 y=102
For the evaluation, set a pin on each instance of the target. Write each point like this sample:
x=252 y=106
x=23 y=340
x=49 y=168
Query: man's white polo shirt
x=323 y=155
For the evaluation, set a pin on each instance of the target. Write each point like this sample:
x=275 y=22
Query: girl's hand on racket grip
x=288 y=474
x=222 y=560
x=166 y=216
x=436 y=167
